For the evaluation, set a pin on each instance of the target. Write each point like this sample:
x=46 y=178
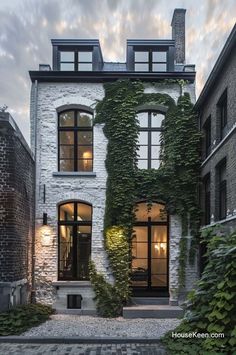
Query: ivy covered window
x=75 y=139
x=149 y=143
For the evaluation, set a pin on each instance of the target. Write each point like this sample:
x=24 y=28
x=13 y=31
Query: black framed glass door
x=74 y=242
x=150 y=258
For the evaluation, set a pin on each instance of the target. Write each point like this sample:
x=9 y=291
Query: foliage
x=17 y=320
x=211 y=308
x=110 y=298
x=126 y=184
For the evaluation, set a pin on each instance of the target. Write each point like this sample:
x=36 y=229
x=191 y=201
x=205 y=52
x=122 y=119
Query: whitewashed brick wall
x=52 y=97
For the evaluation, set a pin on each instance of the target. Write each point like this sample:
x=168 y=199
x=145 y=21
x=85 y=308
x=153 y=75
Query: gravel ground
x=87 y=326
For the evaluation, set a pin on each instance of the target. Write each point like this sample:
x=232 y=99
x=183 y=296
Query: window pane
x=83 y=254
x=140 y=234
x=155 y=151
x=156 y=137
x=65 y=252
x=84 y=212
x=67 y=56
x=142 y=164
x=159 y=266
x=155 y=164
x=143 y=138
x=85 y=137
x=66 y=119
x=141 y=56
x=67 y=212
x=157 y=119
x=67 y=66
x=143 y=119
x=159 y=233
x=85 y=229
x=143 y=152
x=66 y=165
x=159 y=56
x=159 y=280
x=67 y=152
x=85 y=152
x=141 y=67
x=156 y=213
x=66 y=137
x=84 y=119
x=159 y=67
x=85 y=67
x=85 y=165
x=85 y=57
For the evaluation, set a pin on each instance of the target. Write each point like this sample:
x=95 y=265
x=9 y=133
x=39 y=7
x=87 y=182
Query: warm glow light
x=45 y=235
x=86 y=157
x=156 y=246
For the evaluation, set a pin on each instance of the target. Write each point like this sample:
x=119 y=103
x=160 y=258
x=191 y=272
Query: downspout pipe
x=33 y=292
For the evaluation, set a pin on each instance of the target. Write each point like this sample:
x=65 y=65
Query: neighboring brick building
x=217 y=119
x=16 y=213
x=70 y=164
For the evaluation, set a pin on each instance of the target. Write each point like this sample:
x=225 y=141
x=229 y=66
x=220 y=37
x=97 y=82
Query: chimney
x=178 y=34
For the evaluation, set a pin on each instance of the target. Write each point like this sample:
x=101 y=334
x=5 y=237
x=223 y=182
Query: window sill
x=71 y=283
x=74 y=174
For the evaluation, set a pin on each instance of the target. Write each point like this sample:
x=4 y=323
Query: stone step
x=152 y=311
x=150 y=300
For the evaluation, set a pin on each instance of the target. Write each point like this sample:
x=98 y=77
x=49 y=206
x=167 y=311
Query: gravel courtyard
x=87 y=326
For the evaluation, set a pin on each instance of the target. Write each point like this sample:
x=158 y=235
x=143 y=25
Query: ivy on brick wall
x=175 y=182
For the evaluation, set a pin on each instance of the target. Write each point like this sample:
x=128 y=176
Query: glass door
x=150 y=258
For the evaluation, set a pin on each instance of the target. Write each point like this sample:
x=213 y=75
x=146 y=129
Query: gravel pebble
x=86 y=326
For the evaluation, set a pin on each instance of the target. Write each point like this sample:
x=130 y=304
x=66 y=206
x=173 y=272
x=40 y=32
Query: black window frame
x=150 y=61
x=207 y=199
x=207 y=136
x=76 y=62
x=74 y=224
x=149 y=129
x=223 y=114
x=75 y=129
x=221 y=192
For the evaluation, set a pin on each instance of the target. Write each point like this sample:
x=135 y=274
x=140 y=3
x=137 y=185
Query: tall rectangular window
x=222 y=190
x=207 y=136
x=222 y=114
x=150 y=60
x=207 y=199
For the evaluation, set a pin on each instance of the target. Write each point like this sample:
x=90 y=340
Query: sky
x=27 y=26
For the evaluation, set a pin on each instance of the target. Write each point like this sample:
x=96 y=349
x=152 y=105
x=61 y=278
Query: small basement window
x=74 y=301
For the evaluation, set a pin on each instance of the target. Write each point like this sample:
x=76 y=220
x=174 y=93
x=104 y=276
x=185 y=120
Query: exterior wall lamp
x=45 y=219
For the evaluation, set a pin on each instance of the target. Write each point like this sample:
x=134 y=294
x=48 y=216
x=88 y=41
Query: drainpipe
x=33 y=293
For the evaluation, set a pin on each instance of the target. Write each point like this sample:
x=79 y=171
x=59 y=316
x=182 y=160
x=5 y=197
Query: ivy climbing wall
x=175 y=182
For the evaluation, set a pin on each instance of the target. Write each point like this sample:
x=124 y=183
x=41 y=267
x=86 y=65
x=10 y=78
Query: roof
x=217 y=69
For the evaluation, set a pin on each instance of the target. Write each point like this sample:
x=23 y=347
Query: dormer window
x=150 y=60
x=76 y=60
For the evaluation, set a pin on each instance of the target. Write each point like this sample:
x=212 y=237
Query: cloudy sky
x=26 y=27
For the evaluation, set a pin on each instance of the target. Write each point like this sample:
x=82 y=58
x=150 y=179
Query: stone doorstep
x=152 y=311
x=150 y=300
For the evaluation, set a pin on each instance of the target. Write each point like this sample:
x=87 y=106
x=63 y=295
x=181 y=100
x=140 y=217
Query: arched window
x=151 y=125
x=75 y=139
x=74 y=246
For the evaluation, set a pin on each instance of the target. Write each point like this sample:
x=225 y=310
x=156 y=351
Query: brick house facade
x=70 y=166
x=16 y=214
x=217 y=111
